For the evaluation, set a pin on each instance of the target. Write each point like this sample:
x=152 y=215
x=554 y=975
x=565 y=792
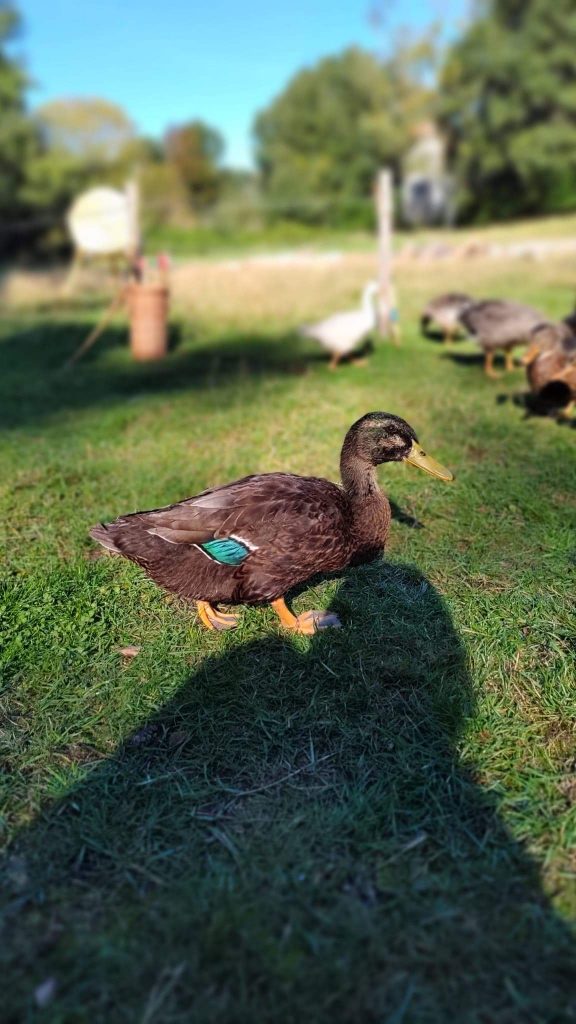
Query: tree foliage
x=194 y=150
x=47 y=157
x=79 y=143
x=322 y=140
x=17 y=136
x=508 y=103
x=164 y=198
x=91 y=130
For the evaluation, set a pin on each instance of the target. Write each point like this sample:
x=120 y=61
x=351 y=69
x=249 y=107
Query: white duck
x=344 y=332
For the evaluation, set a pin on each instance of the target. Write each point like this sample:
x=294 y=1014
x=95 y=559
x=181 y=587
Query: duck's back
x=451 y=303
x=497 y=323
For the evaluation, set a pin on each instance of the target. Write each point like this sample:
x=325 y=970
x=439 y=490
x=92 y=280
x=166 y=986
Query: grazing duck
x=561 y=391
x=499 y=325
x=550 y=362
x=251 y=541
x=443 y=314
x=342 y=333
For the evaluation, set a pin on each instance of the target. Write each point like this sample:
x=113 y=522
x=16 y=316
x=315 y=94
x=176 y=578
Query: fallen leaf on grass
x=129 y=652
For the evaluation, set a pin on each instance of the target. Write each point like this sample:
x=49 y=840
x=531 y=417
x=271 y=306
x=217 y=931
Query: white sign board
x=101 y=221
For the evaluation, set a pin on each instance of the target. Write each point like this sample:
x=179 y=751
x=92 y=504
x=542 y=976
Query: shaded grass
x=376 y=824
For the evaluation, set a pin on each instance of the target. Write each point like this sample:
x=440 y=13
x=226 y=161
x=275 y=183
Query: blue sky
x=215 y=59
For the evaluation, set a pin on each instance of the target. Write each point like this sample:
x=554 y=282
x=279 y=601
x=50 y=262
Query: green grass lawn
x=211 y=241
x=371 y=825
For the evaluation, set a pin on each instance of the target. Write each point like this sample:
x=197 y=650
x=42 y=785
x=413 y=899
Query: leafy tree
x=194 y=150
x=93 y=131
x=80 y=142
x=509 y=107
x=17 y=137
x=66 y=146
x=164 y=198
x=322 y=140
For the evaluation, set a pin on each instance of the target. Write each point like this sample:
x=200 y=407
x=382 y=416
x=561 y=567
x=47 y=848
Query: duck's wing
x=230 y=522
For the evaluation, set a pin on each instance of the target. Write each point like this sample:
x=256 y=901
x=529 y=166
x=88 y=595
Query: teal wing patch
x=227 y=551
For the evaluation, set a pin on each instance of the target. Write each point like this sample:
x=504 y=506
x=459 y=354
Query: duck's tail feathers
x=102 y=534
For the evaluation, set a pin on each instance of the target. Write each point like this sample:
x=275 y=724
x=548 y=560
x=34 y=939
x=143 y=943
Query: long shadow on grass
x=33 y=387
x=293 y=837
x=465 y=358
x=549 y=403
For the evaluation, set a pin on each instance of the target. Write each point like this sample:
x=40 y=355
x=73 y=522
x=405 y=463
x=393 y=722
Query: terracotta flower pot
x=148 y=305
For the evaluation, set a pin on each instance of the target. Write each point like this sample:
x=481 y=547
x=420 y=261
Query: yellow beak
x=417 y=457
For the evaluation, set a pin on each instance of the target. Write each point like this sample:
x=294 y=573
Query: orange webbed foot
x=213 y=619
x=307 y=623
x=313 y=621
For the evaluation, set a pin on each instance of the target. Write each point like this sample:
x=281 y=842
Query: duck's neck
x=369 y=507
x=368 y=304
x=358 y=477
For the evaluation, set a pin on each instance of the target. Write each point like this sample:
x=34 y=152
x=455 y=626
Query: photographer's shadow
x=295 y=835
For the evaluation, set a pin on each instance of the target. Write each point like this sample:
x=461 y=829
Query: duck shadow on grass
x=437 y=336
x=545 y=405
x=466 y=358
x=36 y=386
x=294 y=829
x=400 y=515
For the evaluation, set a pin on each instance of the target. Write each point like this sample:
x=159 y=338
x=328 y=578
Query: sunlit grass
x=209 y=242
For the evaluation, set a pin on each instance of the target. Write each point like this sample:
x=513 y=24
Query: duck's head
x=381 y=437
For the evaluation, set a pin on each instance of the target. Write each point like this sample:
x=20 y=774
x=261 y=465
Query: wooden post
x=387 y=309
x=132 y=191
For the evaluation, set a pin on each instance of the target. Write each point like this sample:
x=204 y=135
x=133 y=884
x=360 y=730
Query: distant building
x=426 y=190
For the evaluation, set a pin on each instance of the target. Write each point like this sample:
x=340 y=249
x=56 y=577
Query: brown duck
x=550 y=362
x=443 y=314
x=251 y=541
x=498 y=326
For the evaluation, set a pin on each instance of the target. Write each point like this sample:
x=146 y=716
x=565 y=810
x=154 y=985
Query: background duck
x=253 y=540
x=442 y=314
x=551 y=349
x=550 y=363
x=342 y=333
x=498 y=326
